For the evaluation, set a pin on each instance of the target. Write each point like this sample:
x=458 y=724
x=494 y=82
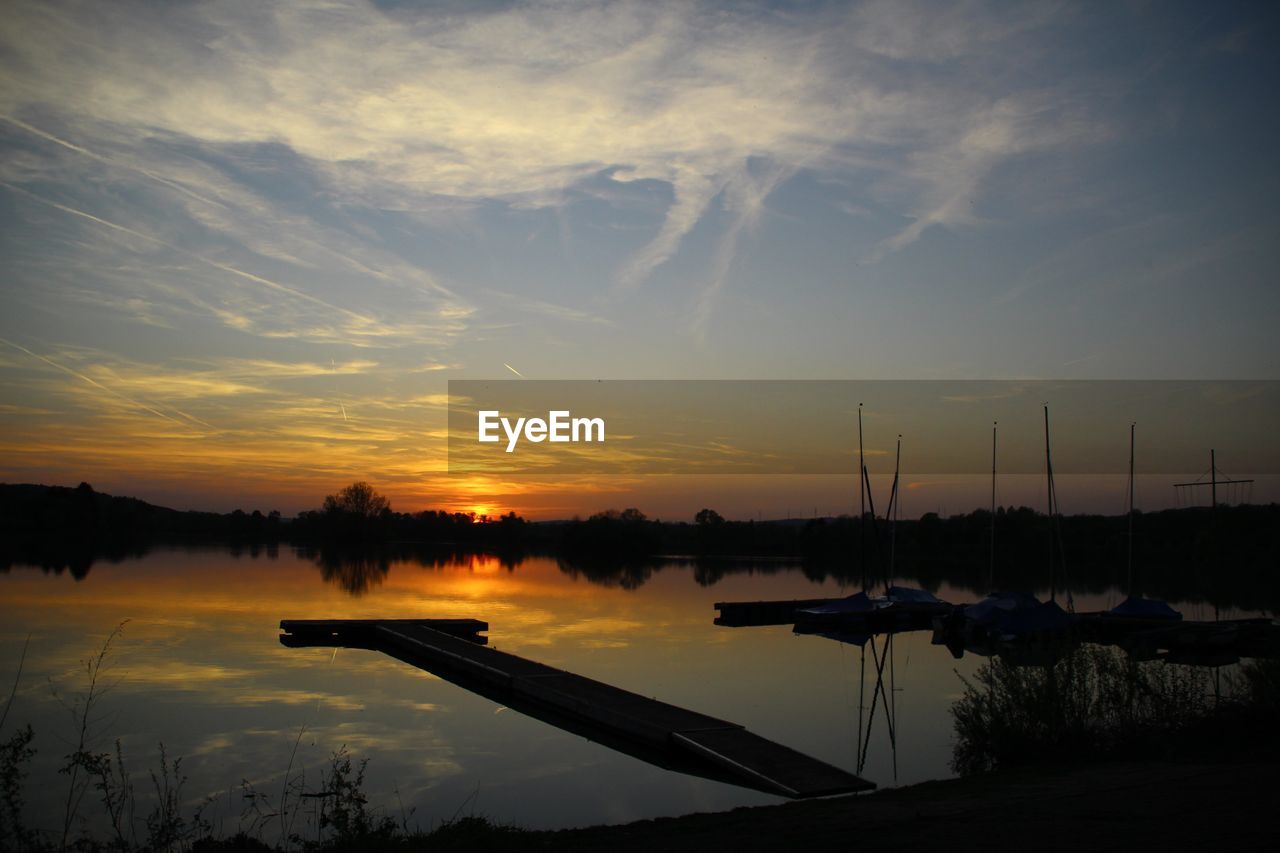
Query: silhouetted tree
x=707 y=517
x=359 y=500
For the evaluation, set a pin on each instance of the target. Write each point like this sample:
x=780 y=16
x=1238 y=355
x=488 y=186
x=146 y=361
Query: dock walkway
x=752 y=614
x=654 y=731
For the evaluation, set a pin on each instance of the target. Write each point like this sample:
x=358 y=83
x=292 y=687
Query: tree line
x=1184 y=554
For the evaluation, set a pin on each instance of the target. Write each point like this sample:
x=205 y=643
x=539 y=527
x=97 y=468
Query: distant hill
x=32 y=512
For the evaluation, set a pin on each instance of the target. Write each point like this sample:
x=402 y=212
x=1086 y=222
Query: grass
x=1097 y=702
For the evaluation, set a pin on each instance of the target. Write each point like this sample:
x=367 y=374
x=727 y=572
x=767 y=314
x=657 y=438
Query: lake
x=198 y=667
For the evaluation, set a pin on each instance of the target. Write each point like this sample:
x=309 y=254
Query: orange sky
x=245 y=248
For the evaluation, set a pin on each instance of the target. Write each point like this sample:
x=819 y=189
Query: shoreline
x=1124 y=805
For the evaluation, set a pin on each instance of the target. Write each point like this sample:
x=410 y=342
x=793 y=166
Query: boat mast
x=1131 y=427
x=893 y=522
x=991 y=567
x=1213 y=479
x=1048 y=466
x=862 y=505
x=892 y=709
x=875 y=531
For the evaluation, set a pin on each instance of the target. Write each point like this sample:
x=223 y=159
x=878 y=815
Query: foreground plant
x=15 y=754
x=1092 y=701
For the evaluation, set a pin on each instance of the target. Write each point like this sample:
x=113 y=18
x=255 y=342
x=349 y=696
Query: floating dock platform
x=1205 y=643
x=645 y=728
x=751 y=614
x=1200 y=642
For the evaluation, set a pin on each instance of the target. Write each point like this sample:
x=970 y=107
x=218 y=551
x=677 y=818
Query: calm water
x=199 y=668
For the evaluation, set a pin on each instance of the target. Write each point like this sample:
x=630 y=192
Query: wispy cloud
x=356 y=324
x=661 y=92
x=545 y=309
x=257 y=237
x=98 y=386
x=745 y=197
x=70 y=146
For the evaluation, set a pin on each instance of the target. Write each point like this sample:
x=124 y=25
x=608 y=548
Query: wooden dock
x=653 y=731
x=751 y=614
x=1207 y=643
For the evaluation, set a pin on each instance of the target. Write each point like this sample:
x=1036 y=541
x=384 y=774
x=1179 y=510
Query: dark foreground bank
x=1108 y=807
x=1124 y=806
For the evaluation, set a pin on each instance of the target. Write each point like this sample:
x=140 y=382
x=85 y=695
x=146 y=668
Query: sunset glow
x=244 y=252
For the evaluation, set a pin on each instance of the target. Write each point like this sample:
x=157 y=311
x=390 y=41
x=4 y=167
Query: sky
x=246 y=246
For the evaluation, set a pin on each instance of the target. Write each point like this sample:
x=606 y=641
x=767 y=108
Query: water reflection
x=200 y=670
x=358 y=569
x=254 y=550
x=1242 y=579
x=73 y=557
x=355 y=571
x=621 y=572
x=880 y=696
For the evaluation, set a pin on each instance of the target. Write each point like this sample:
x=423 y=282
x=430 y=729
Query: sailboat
x=899 y=608
x=857 y=619
x=1007 y=619
x=1135 y=606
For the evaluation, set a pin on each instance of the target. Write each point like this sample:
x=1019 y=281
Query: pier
x=1193 y=642
x=653 y=731
x=751 y=614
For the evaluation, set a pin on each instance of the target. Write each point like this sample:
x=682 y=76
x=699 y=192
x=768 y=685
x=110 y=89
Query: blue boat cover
x=911 y=595
x=1134 y=607
x=999 y=603
x=859 y=602
x=1043 y=618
